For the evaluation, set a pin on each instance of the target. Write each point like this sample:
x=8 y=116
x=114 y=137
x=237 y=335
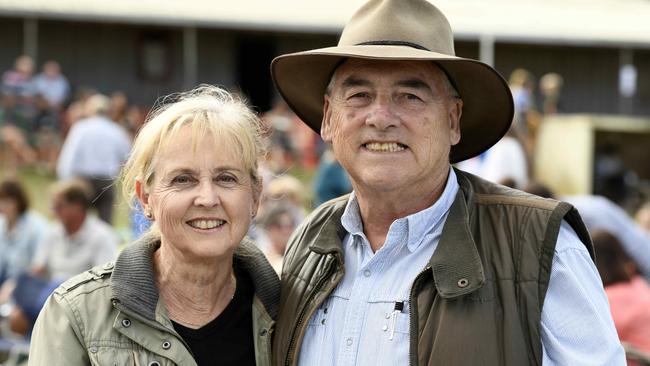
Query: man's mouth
x=384 y=146
x=204 y=224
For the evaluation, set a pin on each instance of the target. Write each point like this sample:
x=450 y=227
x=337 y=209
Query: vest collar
x=456 y=264
x=331 y=233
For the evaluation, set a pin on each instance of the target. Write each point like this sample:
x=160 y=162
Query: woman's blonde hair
x=208 y=110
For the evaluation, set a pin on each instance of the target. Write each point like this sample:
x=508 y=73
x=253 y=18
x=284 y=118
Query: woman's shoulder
x=88 y=282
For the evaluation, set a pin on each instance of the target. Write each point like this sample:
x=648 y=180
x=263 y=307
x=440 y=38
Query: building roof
x=619 y=23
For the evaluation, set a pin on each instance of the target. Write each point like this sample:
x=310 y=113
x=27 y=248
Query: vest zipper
x=319 y=285
x=413 y=319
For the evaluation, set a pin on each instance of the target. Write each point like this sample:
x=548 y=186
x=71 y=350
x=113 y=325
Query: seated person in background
x=20 y=230
x=628 y=293
x=278 y=223
x=78 y=241
x=643 y=217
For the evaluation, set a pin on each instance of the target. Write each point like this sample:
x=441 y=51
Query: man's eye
x=410 y=96
x=360 y=95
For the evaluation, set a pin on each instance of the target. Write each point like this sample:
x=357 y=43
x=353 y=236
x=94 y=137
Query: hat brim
x=301 y=78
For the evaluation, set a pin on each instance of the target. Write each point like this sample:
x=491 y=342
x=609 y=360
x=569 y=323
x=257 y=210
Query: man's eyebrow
x=352 y=81
x=413 y=83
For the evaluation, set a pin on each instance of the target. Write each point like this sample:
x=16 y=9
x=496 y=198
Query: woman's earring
x=148 y=214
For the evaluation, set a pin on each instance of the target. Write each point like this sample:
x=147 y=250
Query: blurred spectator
x=94 y=150
x=504 y=163
x=627 y=292
x=17 y=111
x=48 y=140
x=78 y=241
x=331 y=180
x=29 y=296
x=52 y=85
x=18 y=81
x=643 y=217
x=550 y=86
x=599 y=213
x=289 y=190
x=278 y=223
x=21 y=230
x=522 y=85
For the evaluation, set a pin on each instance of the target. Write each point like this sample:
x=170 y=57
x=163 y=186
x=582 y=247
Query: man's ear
x=326 y=124
x=455 y=112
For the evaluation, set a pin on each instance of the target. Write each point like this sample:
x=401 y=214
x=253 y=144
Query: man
x=79 y=241
x=94 y=150
x=423 y=264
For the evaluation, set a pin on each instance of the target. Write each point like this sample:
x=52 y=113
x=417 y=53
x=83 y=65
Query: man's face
x=391 y=123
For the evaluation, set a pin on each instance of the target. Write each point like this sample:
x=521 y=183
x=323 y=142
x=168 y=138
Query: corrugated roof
x=609 y=22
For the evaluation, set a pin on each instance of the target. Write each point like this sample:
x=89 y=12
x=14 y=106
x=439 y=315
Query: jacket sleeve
x=57 y=339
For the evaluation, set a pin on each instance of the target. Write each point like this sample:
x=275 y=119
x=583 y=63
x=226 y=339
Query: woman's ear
x=143 y=198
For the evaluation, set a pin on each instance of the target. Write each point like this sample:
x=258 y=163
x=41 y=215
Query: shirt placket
x=367 y=277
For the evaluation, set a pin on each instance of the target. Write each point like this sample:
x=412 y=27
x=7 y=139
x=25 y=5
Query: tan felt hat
x=401 y=30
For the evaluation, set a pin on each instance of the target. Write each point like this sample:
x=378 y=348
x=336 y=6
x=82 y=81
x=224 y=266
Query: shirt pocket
x=392 y=328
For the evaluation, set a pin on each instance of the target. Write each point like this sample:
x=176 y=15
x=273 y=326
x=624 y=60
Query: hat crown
x=415 y=23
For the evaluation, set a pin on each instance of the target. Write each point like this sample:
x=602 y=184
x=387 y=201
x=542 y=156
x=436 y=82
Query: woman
x=193 y=291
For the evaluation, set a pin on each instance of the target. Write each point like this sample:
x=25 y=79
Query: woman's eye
x=181 y=179
x=226 y=178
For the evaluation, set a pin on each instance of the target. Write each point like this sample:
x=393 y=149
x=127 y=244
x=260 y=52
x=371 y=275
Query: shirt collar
x=417 y=224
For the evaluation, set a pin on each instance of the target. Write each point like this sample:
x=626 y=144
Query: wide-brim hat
x=401 y=30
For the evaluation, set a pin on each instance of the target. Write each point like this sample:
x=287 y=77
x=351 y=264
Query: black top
x=228 y=339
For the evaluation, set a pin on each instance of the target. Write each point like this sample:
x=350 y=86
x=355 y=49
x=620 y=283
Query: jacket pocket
x=125 y=356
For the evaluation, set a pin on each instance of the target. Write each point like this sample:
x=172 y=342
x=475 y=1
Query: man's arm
x=577 y=326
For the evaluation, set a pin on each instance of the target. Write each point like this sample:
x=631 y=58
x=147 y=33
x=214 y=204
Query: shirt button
x=349 y=341
x=367 y=273
x=384 y=328
x=463 y=282
x=166 y=345
x=387 y=315
x=93 y=349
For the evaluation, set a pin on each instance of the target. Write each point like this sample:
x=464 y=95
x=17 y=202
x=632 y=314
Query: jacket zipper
x=413 y=320
x=319 y=285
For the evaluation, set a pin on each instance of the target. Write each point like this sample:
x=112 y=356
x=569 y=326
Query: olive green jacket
x=112 y=315
x=478 y=301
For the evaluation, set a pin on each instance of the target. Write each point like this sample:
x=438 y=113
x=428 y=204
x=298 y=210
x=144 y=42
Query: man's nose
x=381 y=114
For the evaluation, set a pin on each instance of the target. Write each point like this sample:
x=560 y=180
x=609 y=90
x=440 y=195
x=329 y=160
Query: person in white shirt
x=94 y=150
x=78 y=241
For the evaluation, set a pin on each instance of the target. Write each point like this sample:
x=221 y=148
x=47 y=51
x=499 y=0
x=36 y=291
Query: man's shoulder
x=489 y=193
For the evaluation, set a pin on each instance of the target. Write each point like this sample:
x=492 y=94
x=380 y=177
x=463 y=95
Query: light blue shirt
x=356 y=324
x=19 y=245
x=95 y=147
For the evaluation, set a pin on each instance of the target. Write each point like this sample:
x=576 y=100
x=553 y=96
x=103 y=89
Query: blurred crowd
x=80 y=138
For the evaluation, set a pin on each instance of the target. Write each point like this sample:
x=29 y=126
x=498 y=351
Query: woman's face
x=203 y=200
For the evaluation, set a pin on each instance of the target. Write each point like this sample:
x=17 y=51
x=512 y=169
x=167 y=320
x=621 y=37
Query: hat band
x=393 y=43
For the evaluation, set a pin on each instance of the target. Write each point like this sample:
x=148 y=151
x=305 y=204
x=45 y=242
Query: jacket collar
x=133 y=283
x=329 y=236
x=456 y=264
